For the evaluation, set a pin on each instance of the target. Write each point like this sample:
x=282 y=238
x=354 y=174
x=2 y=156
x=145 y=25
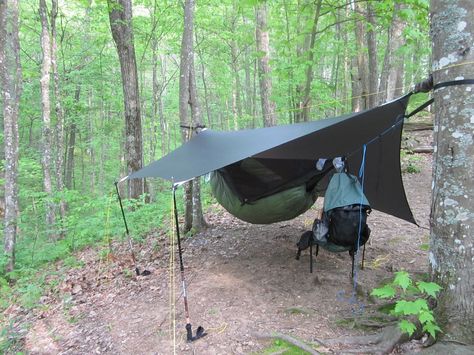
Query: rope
x=171 y=273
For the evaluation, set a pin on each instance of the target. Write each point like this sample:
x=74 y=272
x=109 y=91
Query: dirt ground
x=243 y=281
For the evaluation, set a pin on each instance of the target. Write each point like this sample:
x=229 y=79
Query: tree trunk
x=10 y=78
x=204 y=84
x=395 y=74
x=90 y=144
x=387 y=61
x=184 y=117
x=69 y=174
x=372 y=47
x=249 y=97
x=290 y=98
x=46 y=115
x=188 y=99
x=452 y=209
x=199 y=222
x=360 y=70
x=120 y=16
x=305 y=103
x=59 y=114
x=165 y=135
x=235 y=62
x=264 y=70
x=155 y=120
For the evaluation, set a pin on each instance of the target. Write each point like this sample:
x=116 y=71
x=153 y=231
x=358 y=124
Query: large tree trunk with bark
x=452 y=209
x=59 y=132
x=120 y=16
x=188 y=99
x=10 y=78
x=199 y=222
x=184 y=117
x=264 y=70
x=46 y=113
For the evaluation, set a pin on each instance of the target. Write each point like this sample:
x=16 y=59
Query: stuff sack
x=320 y=230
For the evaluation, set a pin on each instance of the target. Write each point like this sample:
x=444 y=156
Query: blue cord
x=353 y=299
x=362 y=180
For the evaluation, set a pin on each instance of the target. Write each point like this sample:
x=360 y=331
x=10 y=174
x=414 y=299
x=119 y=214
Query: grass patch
x=280 y=346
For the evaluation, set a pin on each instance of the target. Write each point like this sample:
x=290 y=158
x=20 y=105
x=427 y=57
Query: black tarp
x=379 y=129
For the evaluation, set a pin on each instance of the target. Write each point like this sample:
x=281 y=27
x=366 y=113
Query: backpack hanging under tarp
x=345 y=208
x=343 y=190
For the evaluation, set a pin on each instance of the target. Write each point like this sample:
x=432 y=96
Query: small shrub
x=410 y=302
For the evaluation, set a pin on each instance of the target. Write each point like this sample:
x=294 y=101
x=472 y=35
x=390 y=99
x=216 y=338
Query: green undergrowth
x=44 y=257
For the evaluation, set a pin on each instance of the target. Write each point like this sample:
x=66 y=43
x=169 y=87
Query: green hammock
x=281 y=202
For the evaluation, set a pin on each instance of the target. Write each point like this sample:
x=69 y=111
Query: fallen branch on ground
x=418 y=126
x=421 y=150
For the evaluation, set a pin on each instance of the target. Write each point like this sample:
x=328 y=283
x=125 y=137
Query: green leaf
x=431 y=328
x=402 y=279
x=409 y=307
x=426 y=317
x=422 y=304
x=407 y=327
x=430 y=288
x=386 y=291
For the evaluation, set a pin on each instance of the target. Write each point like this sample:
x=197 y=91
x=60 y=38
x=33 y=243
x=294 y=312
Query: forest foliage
x=227 y=80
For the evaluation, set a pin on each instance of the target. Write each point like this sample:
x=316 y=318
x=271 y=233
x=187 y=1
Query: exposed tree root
x=289 y=339
x=381 y=343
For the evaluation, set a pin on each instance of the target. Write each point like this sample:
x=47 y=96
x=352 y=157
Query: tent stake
x=137 y=271
x=200 y=330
